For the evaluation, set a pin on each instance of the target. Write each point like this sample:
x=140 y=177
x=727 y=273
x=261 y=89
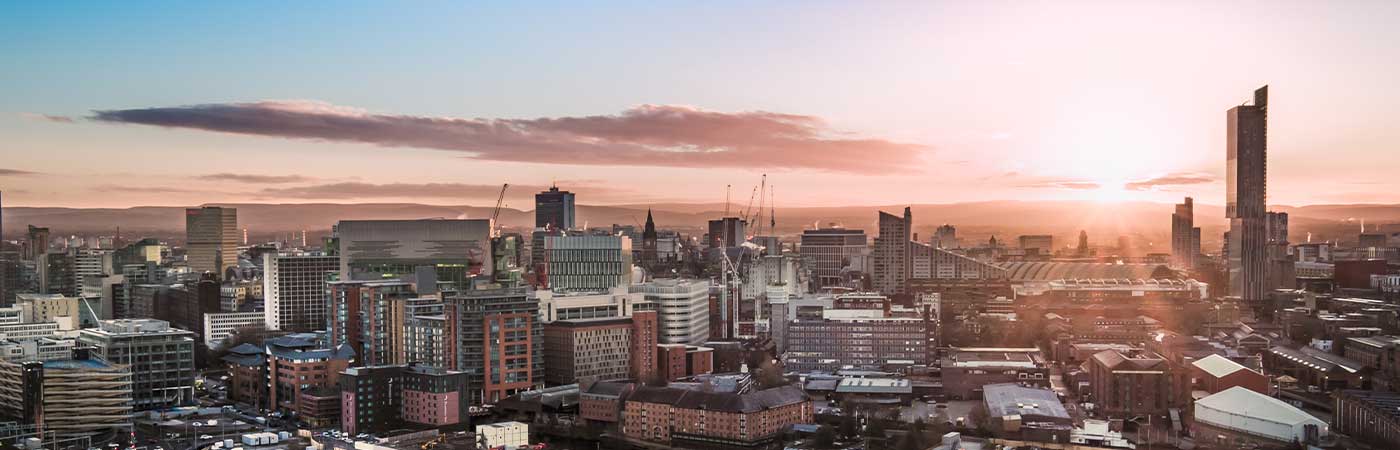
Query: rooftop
x=1218 y=366
x=1006 y=399
x=1246 y=403
x=875 y=386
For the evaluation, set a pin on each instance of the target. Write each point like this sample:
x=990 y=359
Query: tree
x=849 y=426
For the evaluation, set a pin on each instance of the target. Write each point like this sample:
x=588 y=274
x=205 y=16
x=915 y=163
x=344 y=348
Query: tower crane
x=496 y=213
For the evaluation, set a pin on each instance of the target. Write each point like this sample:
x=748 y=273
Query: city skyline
x=935 y=104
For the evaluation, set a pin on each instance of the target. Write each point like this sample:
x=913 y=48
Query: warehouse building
x=1245 y=412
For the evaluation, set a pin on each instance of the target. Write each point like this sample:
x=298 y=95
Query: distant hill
x=1006 y=219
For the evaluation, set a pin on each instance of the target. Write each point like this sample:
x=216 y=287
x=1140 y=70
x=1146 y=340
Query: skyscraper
x=892 y=266
x=554 y=209
x=1246 y=149
x=294 y=291
x=1186 y=236
x=211 y=239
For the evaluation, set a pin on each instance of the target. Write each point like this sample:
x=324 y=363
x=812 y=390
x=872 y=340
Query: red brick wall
x=643 y=347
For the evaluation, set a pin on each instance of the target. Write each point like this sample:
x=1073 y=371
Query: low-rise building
x=504 y=435
x=966 y=370
x=1369 y=416
x=1217 y=373
x=1031 y=414
x=676 y=361
x=219 y=326
x=1128 y=384
x=718 y=420
x=1244 y=412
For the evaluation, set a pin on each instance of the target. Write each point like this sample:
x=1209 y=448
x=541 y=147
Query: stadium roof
x=1050 y=271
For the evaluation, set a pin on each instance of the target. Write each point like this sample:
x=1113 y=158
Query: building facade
x=1246 y=149
x=160 y=359
x=294 y=291
x=554 y=209
x=587 y=263
x=211 y=239
x=892 y=266
x=683 y=307
x=828 y=250
x=377 y=399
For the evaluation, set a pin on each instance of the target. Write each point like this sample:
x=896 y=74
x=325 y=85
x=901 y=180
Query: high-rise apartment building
x=828 y=250
x=1246 y=147
x=211 y=239
x=1186 y=236
x=554 y=209
x=587 y=263
x=494 y=335
x=294 y=291
x=1282 y=273
x=892 y=263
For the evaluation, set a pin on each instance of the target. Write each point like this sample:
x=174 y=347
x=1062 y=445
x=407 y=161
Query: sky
x=117 y=104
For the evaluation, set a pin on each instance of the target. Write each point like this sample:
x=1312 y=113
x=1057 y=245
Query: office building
x=683 y=307
x=554 y=209
x=220 y=325
x=617 y=302
x=294 y=291
x=586 y=350
x=36 y=349
x=1245 y=198
x=39 y=308
x=36 y=243
x=455 y=250
x=587 y=263
x=892 y=265
x=677 y=361
x=182 y=305
x=1186 y=236
x=864 y=337
x=68 y=397
x=211 y=239
x=160 y=358
x=379 y=399
x=932 y=263
x=829 y=250
x=494 y=336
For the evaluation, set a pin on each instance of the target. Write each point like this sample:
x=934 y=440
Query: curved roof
x=1049 y=271
x=1244 y=402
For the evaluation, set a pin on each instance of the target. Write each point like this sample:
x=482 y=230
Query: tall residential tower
x=1186 y=236
x=1246 y=149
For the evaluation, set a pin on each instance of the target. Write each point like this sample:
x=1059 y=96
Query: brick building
x=714 y=420
x=967 y=370
x=382 y=398
x=287 y=372
x=1217 y=373
x=1369 y=416
x=1128 y=384
x=676 y=361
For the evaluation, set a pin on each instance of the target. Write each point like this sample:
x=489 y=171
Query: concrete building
x=928 y=262
x=219 y=326
x=1023 y=413
x=726 y=232
x=294 y=291
x=554 y=209
x=683 y=306
x=1186 y=236
x=865 y=339
x=616 y=302
x=39 y=308
x=36 y=349
x=160 y=358
x=587 y=263
x=69 y=397
x=586 y=350
x=211 y=239
x=454 y=250
x=504 y=435
x=967 y=370
x=1245 y=198
x=892 y=265
x=377 y=399
x=829 y=250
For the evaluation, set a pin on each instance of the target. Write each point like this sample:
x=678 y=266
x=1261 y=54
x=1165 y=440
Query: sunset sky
x=115 y=104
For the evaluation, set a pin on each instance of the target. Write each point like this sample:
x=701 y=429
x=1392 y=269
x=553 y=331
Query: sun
x=1110 y=193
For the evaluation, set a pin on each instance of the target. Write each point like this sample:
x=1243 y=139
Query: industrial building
x=1250 y=413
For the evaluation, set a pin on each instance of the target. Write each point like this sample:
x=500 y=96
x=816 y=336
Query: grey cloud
x=648 y=135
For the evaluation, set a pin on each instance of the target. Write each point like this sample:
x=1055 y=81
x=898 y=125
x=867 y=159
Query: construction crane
x=762 y=197
x=749 y=207
x=496 y=213
x=726 y=199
